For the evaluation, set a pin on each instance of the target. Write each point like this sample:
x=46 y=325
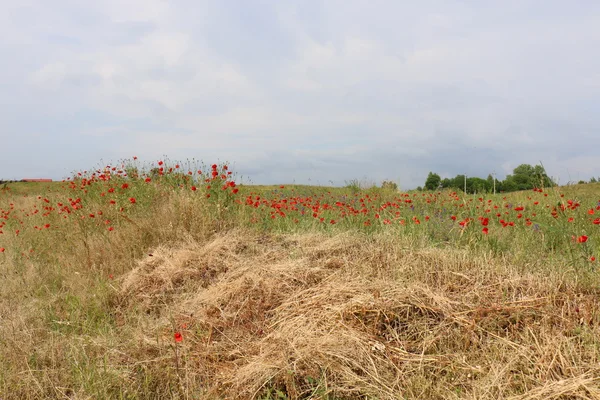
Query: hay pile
x=351 y=317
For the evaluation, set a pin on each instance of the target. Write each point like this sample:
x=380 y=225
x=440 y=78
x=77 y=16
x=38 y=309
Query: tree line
x=524 y=177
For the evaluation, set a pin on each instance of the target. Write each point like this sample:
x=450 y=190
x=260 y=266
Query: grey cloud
x=292 y=91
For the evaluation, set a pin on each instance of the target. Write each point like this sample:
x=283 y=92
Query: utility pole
x=465 y=183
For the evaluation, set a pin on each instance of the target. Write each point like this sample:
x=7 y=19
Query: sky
x=318 y=92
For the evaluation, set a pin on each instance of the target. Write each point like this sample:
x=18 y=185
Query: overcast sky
x=302 y=91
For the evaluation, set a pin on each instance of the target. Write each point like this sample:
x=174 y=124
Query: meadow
x=167 y=280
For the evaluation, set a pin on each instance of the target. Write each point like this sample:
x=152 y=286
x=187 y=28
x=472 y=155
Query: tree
x=478 y=185
x=389 y=185
x=526 y=177
x=433 y=181
x=593 y=180
x=446 y=183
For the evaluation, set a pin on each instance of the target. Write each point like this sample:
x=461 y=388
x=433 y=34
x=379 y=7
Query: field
x=172 y=281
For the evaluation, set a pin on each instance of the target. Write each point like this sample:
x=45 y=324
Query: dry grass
x=347 y=317
x=337 y=315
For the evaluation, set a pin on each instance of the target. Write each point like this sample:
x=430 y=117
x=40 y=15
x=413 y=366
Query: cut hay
x=348 y=317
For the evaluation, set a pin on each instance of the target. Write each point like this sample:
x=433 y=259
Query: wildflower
x=132 y=200
x=582 y=239
x=147 y=180
x=485 y=230
x=193 y=188
x=178 y=337
x=125 y=186
x=2 y=249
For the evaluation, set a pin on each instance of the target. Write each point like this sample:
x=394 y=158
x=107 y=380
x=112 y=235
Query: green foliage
x=433 y=181
x=524 y=177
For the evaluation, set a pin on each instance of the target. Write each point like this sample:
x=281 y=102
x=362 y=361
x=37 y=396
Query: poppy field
x=174 y=280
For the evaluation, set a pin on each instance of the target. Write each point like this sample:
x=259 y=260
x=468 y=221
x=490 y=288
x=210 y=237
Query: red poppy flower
x=2 y=249
x=178 y=337
x=132 y=200
x=193 y=188
x=125 y=186
x=485 y=230
x=582 y=239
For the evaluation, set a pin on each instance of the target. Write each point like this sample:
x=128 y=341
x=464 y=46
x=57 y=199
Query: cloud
x=292 y=91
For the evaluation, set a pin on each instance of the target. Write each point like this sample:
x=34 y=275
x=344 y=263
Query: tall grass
x=271 y=287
